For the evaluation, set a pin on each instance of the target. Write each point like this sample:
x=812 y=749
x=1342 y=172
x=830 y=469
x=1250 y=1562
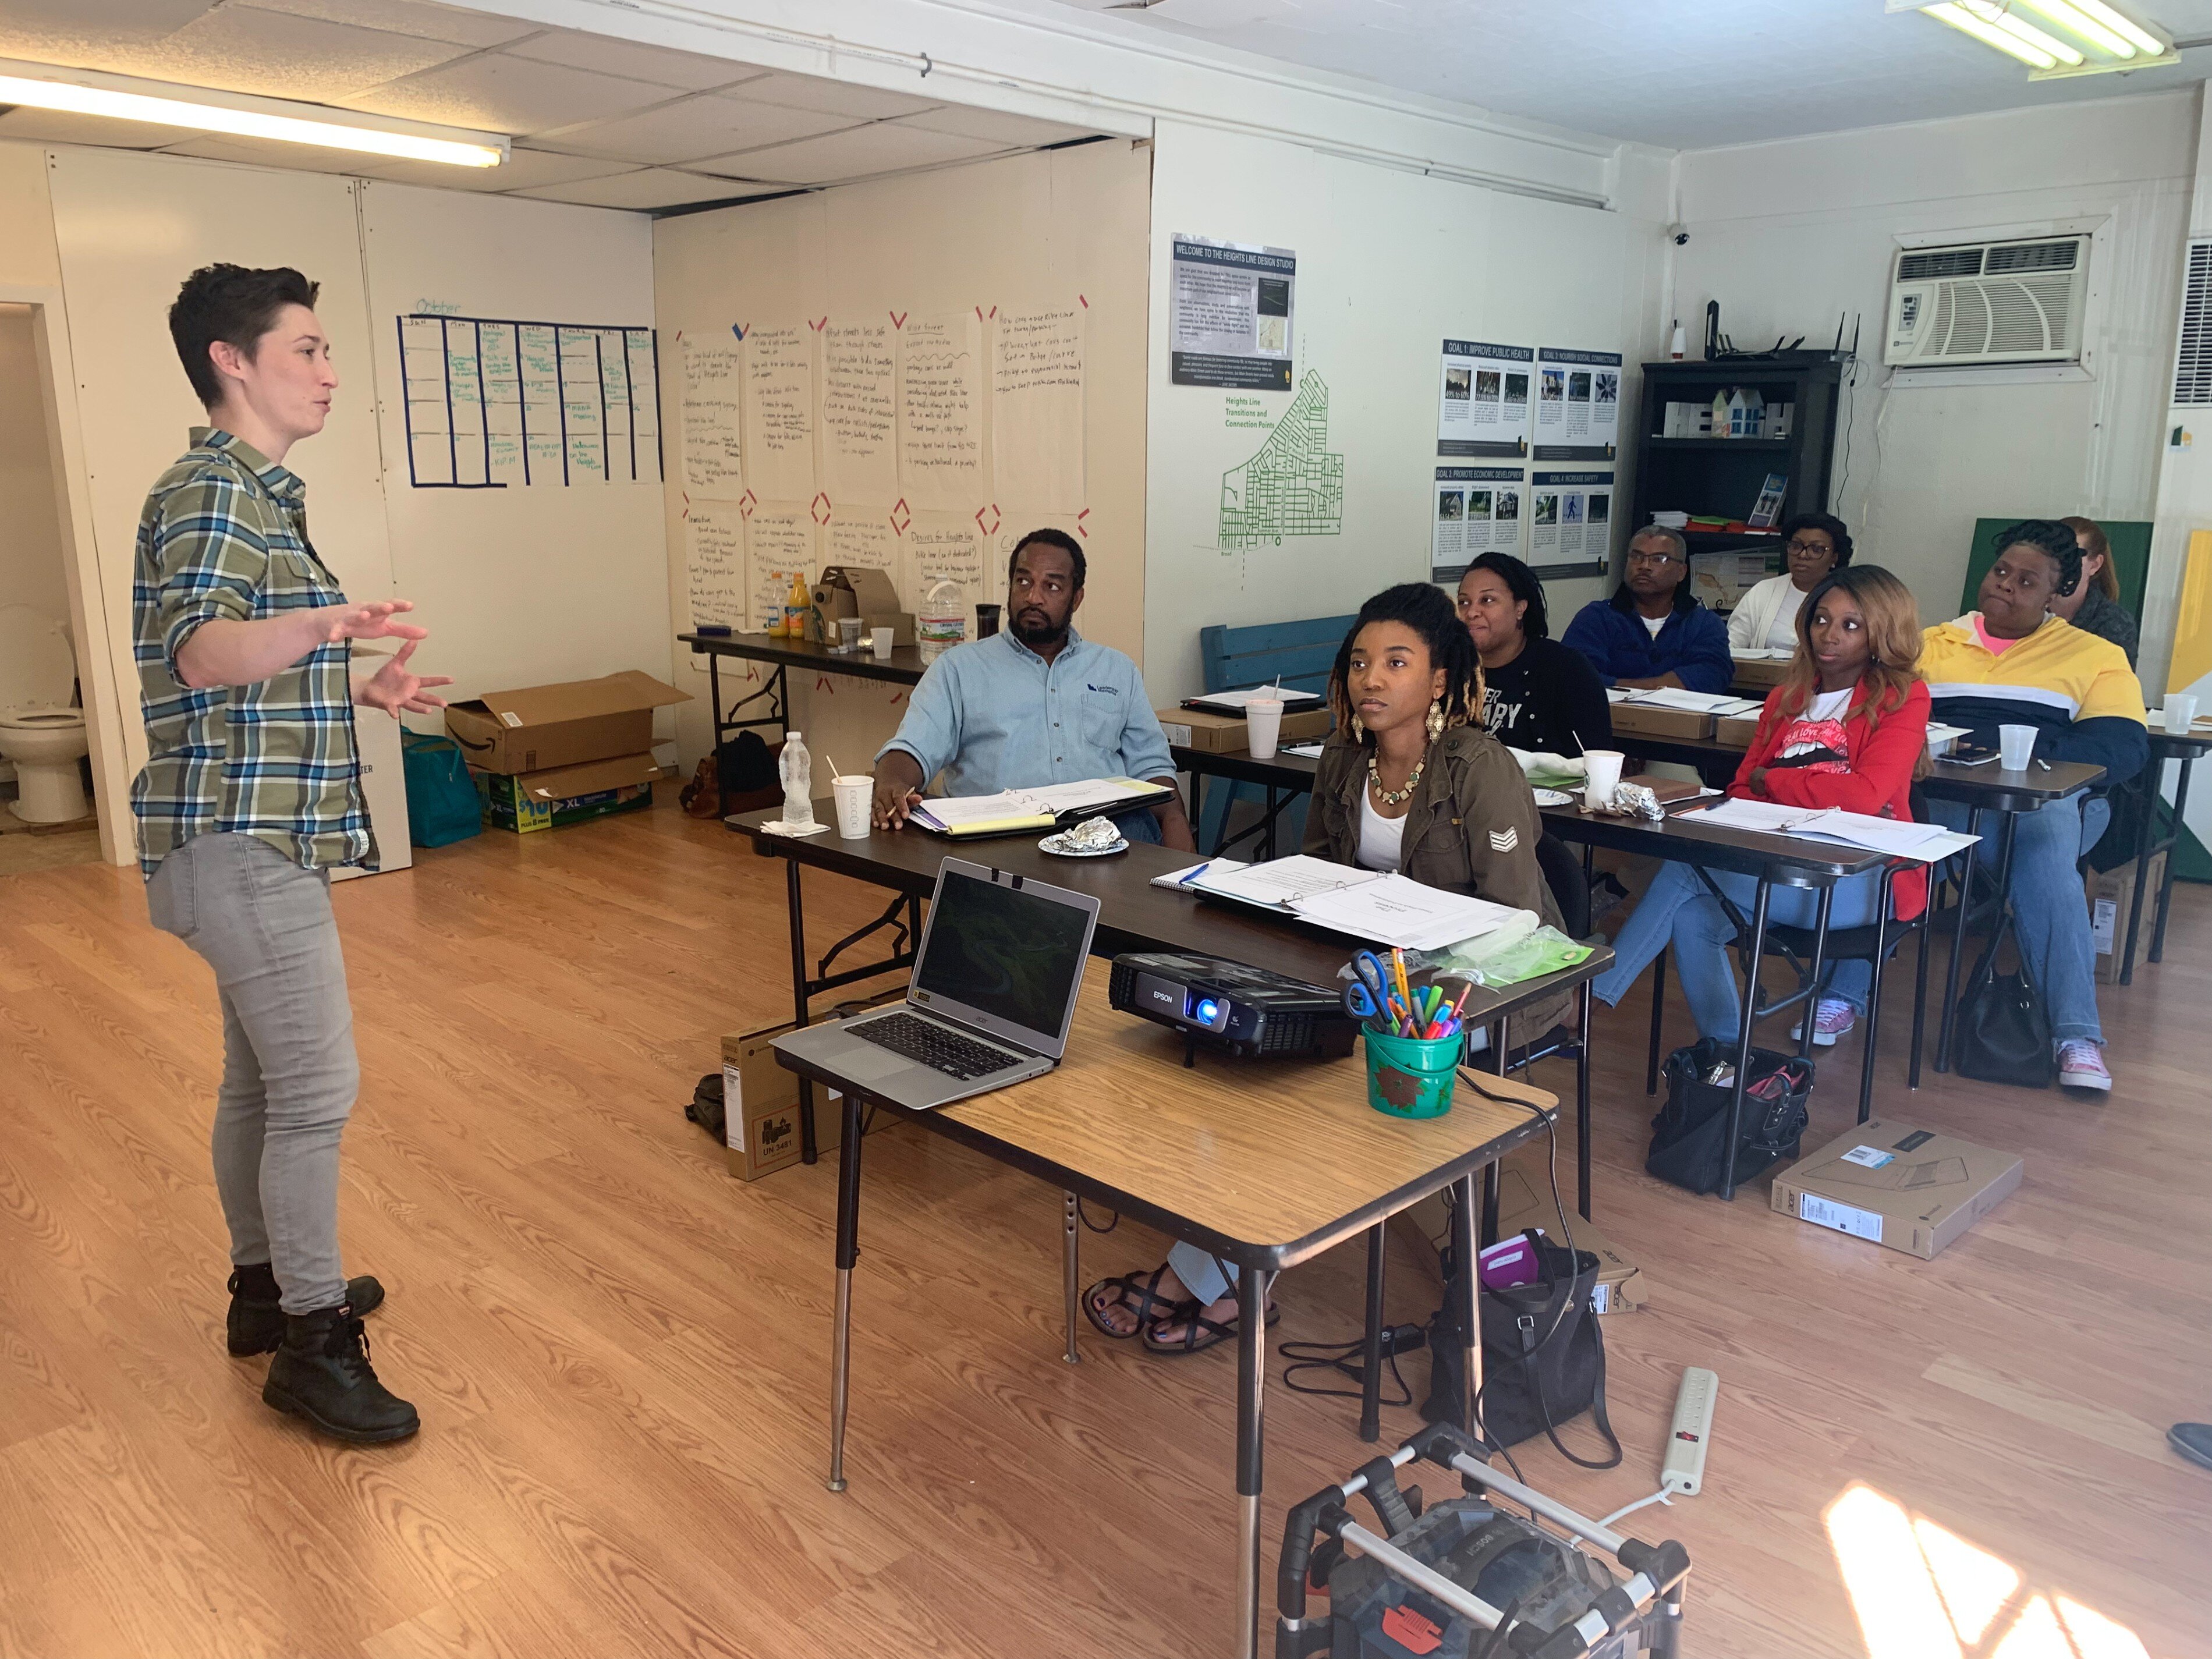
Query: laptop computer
x=992 y=997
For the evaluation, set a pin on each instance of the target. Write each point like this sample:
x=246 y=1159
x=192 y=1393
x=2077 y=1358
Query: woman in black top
x=1538 y=695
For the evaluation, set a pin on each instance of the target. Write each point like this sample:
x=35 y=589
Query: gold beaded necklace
x=1392 y=797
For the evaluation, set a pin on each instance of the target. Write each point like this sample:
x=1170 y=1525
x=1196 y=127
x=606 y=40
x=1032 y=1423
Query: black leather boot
x=255 y=1323
x=322 y=1373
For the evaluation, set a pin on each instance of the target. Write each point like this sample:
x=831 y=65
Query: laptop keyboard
x=929 y=1044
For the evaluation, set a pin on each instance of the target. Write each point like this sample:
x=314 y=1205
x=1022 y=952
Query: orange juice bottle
x=796 y=605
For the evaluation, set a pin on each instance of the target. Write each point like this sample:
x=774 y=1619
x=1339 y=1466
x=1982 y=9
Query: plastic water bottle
x=941 y=621
x=795 y=767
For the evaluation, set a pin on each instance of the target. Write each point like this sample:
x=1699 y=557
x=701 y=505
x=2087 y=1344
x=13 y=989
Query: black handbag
x=1543 y=1357
x=1689 y=1133
x=2004 y=1030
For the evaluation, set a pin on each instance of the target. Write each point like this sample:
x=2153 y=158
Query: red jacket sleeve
x=1881 y=773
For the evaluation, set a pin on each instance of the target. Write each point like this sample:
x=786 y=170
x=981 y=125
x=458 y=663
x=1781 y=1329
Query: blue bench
x=1298 y=655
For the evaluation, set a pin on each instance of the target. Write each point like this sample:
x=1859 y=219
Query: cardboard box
x=1909 y=1189
x=1735 y=730
x=2111 y=895
x=543 y=728
x=565 y=795
x=1525 y=1201
x=1217 y=734
x=1761 y=674
x=760 y=1104
x=1653 y=720
x=852 y=590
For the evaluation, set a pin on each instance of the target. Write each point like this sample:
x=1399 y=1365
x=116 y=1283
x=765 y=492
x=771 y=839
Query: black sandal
x=1215 y=1332
x=1145 y=1291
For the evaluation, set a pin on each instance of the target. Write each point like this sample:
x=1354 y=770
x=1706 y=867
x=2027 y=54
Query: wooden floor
x=621 y=1354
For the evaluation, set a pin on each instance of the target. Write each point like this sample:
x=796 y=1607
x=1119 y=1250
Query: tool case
x=1439 y=1583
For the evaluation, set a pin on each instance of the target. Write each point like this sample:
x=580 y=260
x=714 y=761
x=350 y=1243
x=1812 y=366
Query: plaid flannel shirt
x=224 y=536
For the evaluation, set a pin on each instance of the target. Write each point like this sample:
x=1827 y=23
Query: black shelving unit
x=1716 y=476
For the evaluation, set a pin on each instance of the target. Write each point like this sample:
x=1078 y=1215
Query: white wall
x=1786 y=235
x=1389 y=264
x=30 y=571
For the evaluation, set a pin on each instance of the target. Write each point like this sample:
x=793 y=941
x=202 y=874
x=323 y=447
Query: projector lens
x=1207 y=1010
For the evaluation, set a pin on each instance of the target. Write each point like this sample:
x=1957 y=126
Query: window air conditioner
x=1988 y=302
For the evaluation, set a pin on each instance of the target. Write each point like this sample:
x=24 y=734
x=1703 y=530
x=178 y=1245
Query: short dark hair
x=234 y=304
x=1522 y=581
x=1422 y=607
x=1827 y=522
x=1050 y=538
x=2050 y=536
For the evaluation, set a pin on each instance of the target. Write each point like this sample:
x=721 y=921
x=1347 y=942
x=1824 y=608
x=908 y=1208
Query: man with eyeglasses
x=1653 y=632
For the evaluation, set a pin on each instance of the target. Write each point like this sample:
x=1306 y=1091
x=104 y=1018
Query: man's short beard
x=1037 y=638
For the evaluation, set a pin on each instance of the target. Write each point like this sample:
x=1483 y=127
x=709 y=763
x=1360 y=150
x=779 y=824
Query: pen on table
x=1194 y=873
x=2042 y=762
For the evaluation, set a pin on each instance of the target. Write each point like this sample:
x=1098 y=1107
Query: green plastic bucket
x=1412 y=1077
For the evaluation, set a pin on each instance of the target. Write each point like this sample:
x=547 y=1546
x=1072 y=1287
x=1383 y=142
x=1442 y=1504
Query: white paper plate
x=1553 y=797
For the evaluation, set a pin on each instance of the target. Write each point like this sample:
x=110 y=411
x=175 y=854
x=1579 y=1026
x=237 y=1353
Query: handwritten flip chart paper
x=493 y=402
x=1036 y=408
x=779 y=545
x=859 y=411
x=712 y=423
x=863 y=536
x=717 y=533
x=941 y=544
x=940 y=362
x=779 y=411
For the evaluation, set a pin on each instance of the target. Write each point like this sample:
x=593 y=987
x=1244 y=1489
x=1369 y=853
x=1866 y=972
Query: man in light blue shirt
x=1034 y=705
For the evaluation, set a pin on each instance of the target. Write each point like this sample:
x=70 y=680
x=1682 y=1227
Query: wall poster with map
x=1294 y=486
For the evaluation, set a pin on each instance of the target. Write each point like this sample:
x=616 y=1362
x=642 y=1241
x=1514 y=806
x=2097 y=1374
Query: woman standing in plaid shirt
x=251 y=795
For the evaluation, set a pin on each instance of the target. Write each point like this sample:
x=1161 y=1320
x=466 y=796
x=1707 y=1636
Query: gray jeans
x=289 y=1074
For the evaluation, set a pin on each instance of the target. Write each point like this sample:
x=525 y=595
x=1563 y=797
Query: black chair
x=1875 y=943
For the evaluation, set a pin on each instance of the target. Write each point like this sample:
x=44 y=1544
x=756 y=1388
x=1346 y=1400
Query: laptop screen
x=1014 y=956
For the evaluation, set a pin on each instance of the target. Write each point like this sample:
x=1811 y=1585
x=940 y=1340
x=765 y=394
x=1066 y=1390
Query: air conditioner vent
x=2192 y=369
x=1944 y=262
x=2012 y=257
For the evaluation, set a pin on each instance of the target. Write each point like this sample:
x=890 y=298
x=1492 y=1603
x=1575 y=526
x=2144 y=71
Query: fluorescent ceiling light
x=2121 y=24
x=80 y=92
x=1999 y=17
x=2077 y=20
x=1990 y=35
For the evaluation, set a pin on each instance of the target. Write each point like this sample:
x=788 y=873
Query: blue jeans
x=1143 y=825
x=2050 y=915
x=1208 y=1277
x=1679 y=909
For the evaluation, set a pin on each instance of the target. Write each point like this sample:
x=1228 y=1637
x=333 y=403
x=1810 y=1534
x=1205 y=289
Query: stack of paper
x=1922 y=842
x=1385 y=908
x=1232 y=703
x=1699 y=702
x=1028 y=809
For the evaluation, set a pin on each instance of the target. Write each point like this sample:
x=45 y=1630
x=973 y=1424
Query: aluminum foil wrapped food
x=1086 y=840
x=1635 y=800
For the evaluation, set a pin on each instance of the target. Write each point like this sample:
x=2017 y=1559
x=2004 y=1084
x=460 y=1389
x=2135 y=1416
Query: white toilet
x=39 y=732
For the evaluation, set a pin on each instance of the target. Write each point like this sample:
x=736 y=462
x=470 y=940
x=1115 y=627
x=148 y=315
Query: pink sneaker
x=2081 y=1066
x=1834 y=1018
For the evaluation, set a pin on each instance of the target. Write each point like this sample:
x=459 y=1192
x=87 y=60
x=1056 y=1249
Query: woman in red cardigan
x=1848 y=729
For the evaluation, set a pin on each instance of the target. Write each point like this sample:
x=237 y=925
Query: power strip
x=1683 y=1469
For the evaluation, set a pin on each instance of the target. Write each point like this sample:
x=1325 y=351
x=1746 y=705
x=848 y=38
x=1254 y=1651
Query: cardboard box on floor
x=554 y=800
x=1217 y=734
x=2111 y=895
x=1525 y=1201
x=760 y=1104
x=544 y=728
x=1911 y=1189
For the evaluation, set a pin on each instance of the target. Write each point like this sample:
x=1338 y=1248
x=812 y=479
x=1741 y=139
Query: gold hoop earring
x=1436 y=719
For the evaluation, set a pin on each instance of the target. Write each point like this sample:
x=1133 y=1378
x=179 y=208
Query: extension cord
x=1683 y=1469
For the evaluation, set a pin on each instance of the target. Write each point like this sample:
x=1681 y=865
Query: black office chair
x=1875 y=943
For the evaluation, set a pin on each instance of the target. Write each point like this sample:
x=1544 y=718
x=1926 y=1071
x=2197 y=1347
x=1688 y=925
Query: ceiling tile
x=992 y=125
x=421 y=18
x=687 y=70
x=834 y=97
x=76 y=31
x=650 y=187
x=855 y=153
x=52 y=126
x=709 y=125
x=525 y=169
x=278 y=55
x=498 y=94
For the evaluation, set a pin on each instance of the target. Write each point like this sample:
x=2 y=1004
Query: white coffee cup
x=1263 y=726
x=1602 y=777
x=879 y=640
x=2015 y=747
x=2180 y=713
x=854 y=795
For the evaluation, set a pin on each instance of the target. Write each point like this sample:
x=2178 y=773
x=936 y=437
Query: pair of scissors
x=1367 y=997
